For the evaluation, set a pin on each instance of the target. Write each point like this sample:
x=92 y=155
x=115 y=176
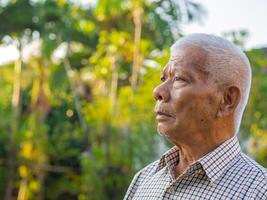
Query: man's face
x=187 y=102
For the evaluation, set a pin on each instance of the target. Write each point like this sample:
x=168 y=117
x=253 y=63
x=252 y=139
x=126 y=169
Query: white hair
x=226 y=63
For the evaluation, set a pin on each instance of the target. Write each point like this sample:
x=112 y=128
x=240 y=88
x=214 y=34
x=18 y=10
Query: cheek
x=193 y=106
x=206 y=108
x=184 y=103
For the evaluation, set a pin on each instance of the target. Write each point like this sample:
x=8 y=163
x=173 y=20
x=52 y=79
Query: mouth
x=163 y=116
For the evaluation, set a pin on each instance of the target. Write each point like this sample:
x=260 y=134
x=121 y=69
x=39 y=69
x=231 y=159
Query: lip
x=161 y=116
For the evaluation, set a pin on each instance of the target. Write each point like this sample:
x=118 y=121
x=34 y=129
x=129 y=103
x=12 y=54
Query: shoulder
x=147 y=171
x=253 y=173
x=140 y=177
x=253 y=166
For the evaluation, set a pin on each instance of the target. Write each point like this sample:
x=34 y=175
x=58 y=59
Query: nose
x=161 y=93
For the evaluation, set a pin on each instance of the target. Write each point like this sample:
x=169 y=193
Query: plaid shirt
x=224 y=173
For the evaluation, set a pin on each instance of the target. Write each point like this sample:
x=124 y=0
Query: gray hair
x=226 y=63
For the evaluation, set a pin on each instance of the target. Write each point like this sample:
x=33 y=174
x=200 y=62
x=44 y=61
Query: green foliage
x=255 y=119
x=81 y=128
x=16 y=27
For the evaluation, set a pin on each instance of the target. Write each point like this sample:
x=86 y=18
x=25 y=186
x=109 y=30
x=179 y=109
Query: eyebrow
x=168 y=71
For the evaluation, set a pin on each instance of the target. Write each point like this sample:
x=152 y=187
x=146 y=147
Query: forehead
x=188 y=59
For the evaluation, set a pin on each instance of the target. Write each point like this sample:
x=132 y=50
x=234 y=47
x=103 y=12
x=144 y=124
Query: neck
x=192 y=150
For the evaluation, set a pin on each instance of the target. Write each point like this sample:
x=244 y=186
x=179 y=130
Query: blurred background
x=76 y=81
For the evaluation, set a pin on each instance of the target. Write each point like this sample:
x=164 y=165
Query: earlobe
x=230 y=100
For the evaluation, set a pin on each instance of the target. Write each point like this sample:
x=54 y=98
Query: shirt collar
x=171 y=155
x=214 y=163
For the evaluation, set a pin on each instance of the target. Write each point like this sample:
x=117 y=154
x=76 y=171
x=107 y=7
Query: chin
x=171 y=133
x=164 y=131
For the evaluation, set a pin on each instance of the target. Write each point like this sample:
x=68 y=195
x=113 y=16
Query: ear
x=230 y=100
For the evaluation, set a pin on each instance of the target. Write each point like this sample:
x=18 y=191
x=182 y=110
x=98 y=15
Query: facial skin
x=186 y=95
x=191 y=109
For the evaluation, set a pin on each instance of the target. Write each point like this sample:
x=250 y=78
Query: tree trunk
x=22 y=190
x=114 y=84
x=108 y=130
x=16 y=107
x=41 y=106
x=137 y=16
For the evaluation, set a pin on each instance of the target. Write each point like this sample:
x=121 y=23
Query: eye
x=178 y=78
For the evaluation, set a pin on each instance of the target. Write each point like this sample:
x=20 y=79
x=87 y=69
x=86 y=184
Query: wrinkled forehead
x=188 y=58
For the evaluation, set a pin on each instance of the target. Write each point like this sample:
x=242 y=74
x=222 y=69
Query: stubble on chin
x=164 y=133
x=160 y=133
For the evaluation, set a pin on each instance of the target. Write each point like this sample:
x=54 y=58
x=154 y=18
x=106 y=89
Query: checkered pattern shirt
x=224 y=173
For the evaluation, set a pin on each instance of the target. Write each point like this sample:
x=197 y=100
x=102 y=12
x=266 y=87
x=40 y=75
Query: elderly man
x=200 y=102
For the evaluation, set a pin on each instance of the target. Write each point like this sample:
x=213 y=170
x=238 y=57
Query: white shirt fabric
x=225 y=173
